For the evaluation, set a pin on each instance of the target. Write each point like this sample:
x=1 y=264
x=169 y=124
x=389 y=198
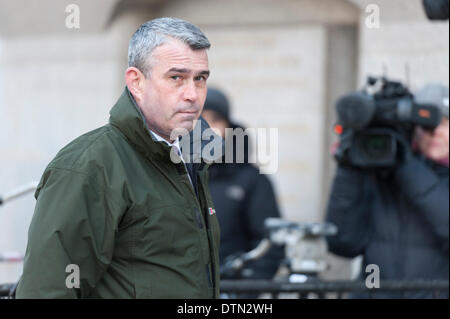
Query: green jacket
x=114 y=204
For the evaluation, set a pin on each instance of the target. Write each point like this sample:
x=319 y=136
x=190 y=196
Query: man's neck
x=158 y=136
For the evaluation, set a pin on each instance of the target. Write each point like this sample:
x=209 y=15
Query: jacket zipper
x=211 y=242
x=210 y=276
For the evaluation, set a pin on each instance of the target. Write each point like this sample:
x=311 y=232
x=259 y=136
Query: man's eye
x=200 y=78
x=175 y=77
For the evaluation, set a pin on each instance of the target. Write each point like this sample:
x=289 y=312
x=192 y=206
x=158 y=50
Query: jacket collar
x=128 y=118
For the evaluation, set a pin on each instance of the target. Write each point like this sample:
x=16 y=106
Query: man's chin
x=183 y=128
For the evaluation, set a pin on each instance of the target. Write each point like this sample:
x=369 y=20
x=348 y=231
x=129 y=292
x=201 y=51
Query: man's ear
x=135 y=82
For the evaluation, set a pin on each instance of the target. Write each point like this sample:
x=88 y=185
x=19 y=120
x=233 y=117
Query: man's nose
x=190 y=92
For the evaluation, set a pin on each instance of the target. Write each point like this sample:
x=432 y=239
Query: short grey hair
x=156 y=32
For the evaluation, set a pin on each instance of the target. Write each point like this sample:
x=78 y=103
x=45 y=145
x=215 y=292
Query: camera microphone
x=355 y=110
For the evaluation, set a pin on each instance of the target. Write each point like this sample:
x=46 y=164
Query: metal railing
x=7 y=291
x=321 y=289
x=18 y=192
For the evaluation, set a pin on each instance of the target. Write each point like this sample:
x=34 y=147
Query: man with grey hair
x=115 y=216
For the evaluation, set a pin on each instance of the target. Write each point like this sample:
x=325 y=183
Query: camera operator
x=398 y=219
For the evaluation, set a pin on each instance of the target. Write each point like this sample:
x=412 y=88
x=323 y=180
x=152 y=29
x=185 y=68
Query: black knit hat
x=217 y=101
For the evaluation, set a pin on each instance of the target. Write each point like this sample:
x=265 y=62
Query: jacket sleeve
x=349 y=208
x=73 y=224
x=428 y=193
x=261 y=204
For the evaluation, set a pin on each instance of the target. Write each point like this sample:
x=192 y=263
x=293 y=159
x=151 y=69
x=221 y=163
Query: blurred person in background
x=243 y=197
x=399 y=221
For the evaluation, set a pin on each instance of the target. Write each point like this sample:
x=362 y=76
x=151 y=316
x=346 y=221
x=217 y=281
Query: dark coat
x=113 y=203
x=244 y=198
x=399 y=221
